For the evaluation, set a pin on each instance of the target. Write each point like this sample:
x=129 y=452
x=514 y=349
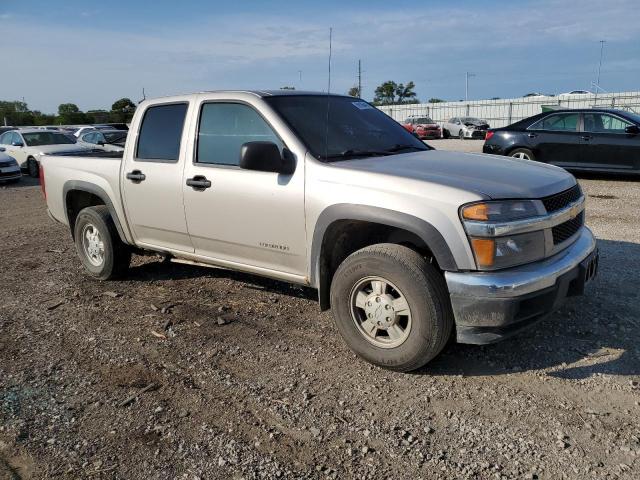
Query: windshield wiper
x=399 y=147
x=357 y=153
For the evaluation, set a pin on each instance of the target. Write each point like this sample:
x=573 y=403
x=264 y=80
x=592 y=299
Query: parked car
x=465 y=127
x=6 y=129
x=403 y=242
x=574 y=92
x=28 y=146
x=108 y=140
x=587 y=139
x=83 y=129
x=423 y=127
x=9 y=168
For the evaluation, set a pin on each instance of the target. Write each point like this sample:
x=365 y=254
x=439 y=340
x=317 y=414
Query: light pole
x=602 y=42
x=467 y=76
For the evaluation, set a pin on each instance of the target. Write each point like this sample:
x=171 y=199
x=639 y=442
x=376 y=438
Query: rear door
x=556 y=139
x=152 y=178
x=244 y=216
x=606 y=145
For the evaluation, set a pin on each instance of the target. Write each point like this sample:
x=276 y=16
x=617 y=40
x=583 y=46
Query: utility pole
x=300 y=76
x=602 y=42
x=467 y=76
x=359 y=79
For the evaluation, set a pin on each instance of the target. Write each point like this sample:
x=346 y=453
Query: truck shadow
x=175 y=271
x=593 y=334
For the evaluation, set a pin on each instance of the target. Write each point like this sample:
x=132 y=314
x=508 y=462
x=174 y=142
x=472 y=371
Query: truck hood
x=71 y=147
x=491 y=176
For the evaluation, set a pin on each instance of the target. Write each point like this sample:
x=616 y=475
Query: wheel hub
x=93 y=245
x=379 y=310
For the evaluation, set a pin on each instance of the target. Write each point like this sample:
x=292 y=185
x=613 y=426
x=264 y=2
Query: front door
x=556 y=139
x=238 y=216
x=606 y=145
x=152 y=178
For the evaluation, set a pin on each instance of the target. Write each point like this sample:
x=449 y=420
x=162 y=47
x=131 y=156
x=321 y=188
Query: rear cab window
x=160 y=134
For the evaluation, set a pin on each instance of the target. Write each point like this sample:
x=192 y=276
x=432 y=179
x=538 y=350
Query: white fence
x=499 y=113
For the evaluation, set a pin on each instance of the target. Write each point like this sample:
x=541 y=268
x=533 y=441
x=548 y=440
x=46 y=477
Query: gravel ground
x=185 y=372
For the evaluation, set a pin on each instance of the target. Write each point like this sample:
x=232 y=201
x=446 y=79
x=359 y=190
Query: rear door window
x=161 y=133
x=564 y=122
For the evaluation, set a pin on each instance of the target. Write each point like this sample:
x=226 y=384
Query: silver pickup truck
x=407 y=245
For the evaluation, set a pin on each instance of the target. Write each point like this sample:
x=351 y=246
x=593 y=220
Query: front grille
x=566 y=230
x=560 y=200
x=8 y=174
x=5 y=164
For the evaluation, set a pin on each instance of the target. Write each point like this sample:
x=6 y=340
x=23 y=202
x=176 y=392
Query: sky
x=94 y=52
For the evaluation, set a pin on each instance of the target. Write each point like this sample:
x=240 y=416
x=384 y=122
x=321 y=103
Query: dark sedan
x=589 y=139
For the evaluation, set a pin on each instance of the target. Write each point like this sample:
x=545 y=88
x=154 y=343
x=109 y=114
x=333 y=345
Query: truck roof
x=257 y=93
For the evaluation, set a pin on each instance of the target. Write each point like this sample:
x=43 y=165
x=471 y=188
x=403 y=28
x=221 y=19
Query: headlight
x=505 y=211
x=502 y=252
x=495 y=245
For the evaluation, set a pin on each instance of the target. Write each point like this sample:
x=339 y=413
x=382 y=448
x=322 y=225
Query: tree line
x=16 y=113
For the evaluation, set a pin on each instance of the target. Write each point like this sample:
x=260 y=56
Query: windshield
x=335 y=128
x=424 y=120
x=46 y=138
x=633 y=116
x=471 y=120
x=115 y=137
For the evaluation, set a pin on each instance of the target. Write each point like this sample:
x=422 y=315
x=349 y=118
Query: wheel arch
x=78 y=195
x=342 y=229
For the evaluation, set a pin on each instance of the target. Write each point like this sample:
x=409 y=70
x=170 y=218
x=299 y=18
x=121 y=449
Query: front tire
x=33 y=167
x=523 y=153
x=102 y=253
x=445 y=133
x=391 y=307
x=461 y=134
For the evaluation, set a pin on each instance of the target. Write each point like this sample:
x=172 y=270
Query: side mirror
x=266 y=157
x=100 y=142
x=17 y=144
x=632 y=129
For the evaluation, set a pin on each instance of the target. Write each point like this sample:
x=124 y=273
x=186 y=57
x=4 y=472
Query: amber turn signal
x=478 y=211
x=484 y=250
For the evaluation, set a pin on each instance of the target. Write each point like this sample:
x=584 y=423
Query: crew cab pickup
x=408 y=246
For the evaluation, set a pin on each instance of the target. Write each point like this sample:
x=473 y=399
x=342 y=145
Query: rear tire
x=33 y=167
x=523 y=153
x=445 y=133
x=391 y=307
x=102 y=253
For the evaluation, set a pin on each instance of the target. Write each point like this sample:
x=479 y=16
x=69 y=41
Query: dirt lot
x=183 y=372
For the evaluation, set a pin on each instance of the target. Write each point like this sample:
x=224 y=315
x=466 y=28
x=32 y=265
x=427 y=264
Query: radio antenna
x=326 y=137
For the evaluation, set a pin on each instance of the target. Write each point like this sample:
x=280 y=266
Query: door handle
x=199 y=182
x=587 y=137
x=532 y=135
x=136 y=176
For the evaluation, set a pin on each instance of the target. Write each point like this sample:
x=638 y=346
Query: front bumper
x=10 y=173
x=475 y=134
x=490 y=306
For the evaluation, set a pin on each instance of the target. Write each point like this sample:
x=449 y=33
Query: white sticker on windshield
x=362 y=105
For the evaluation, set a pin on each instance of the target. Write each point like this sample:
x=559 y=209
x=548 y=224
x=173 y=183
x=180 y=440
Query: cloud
x=94 y=66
